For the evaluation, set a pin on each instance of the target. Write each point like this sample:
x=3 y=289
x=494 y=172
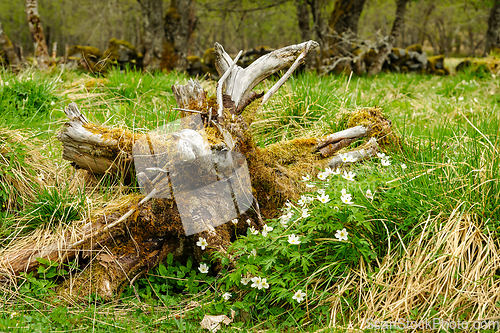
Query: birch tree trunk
x=35 y=24
x=154 y=33
x=493 y=33
x=386 y=47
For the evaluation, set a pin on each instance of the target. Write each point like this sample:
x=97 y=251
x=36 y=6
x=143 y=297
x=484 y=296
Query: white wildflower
x=226 y=296
x=293 y=239
x=344 y=158
x=324 y=198
x=322 y=175
x=341 y=234
x=253 y=231
x=305 y=213
x=202 y=242
x=299 y=296
x=385 y=162
x=256 y=281
x=306 y=178
x=266 y=229
x=369 y=194
x=244 y=281
x=235 y=221
x=310 y=185
x=380 y=155
x=249 y=222
x=403 y=166
x=321 y=191
x=203 y=268
x=346 y=198
x=349 y=176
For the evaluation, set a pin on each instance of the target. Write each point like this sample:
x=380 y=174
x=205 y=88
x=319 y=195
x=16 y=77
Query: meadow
x=414 y=236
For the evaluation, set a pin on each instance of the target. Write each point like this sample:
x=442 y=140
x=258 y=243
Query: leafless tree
x=154 y=34
x=41 y=51
x=386 y=48
x=493 y=33
x=9 y=49
x=345 y=15
x=180 y=22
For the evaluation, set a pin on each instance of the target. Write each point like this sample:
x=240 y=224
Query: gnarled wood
x=95 y=148
x=118 y=245
x=240 y=82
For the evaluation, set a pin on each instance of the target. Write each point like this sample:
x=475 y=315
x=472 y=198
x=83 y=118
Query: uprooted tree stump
x=114 y=248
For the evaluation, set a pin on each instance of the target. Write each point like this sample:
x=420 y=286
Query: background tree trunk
x=492 y=35
x=386 y=48
x=9 y=49
x=154 y=34
x=303 y=19
x=179 y=26
x=345 y=15
x=41 y=51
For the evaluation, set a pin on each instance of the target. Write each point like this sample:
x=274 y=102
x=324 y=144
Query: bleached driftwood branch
x=241 y=81
x=368 y=150
x=94 y=148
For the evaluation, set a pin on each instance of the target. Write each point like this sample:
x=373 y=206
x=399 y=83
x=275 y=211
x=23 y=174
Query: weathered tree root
x=113 y=250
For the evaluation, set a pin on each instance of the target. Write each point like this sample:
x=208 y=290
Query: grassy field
x=423 y=245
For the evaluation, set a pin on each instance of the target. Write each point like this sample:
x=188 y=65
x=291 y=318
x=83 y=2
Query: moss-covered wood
x=12 y=58
x=345 y=15
x=179 y=26
x=134 y=233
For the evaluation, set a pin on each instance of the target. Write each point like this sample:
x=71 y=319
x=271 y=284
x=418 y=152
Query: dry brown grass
x=447 y=272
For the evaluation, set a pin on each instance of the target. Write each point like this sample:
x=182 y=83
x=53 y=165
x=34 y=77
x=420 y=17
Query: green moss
x=435 y=65
x=90 y=52
x=415 y=48
x=377 y=123
x=480 y=66
x=120 y=52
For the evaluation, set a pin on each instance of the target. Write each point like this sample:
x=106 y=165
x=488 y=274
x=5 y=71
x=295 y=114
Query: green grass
x=449 y=127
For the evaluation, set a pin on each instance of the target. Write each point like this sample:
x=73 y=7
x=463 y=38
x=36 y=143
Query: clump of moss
x=435 y=65
x=122 y=53
x=489 y=65
x=208 y=63
x=377 y=123
x=87 y=57
x=415 y=48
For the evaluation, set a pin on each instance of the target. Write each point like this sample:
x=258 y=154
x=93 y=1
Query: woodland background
x=449 y=27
